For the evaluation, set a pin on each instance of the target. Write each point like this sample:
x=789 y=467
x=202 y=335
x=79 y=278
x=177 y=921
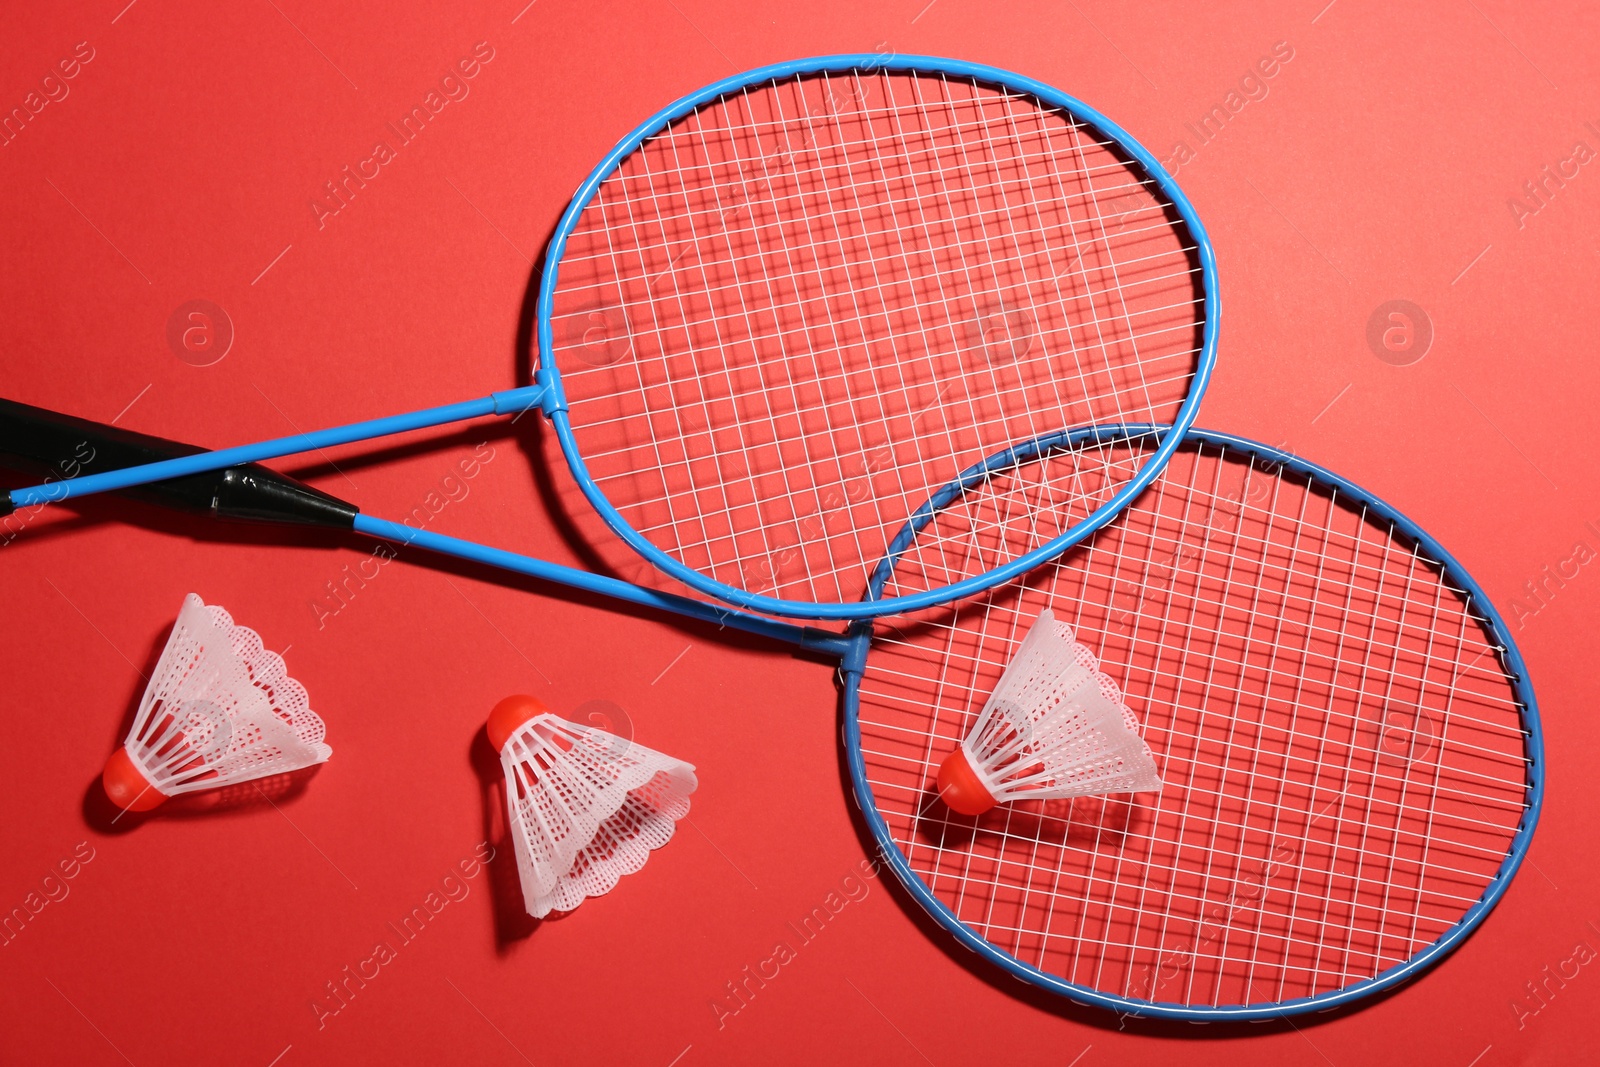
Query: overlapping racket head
x=1349 y=749
x=787 y=309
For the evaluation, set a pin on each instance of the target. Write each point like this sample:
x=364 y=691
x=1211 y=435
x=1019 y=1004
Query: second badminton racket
x=1347 y=742
x=786 y=309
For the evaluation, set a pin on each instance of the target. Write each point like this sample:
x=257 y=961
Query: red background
x=181 y=166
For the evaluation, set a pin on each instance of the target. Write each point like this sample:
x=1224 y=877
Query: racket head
x=1065 y=876
x=783 y=506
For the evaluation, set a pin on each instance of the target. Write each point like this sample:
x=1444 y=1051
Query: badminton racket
x=786 y=309
x=1347 y=739
x=1349 y=745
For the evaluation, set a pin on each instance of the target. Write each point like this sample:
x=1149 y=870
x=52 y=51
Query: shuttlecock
x=585 y=806
x=1054 y=727
x=219 y=709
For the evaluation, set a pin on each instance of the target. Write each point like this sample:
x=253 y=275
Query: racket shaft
x=513 y=400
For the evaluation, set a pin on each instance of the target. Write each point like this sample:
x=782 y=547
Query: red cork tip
x=127 y=786
x=509 y=715
x=960 y=787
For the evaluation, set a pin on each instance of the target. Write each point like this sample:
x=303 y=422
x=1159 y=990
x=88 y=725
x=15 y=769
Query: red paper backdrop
x=180 y=161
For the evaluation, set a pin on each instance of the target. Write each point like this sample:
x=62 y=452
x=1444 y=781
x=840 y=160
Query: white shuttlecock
x=585 y=806
x=1054 y=727
x=219 y=709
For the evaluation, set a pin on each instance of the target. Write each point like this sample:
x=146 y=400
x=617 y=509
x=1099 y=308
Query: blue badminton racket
x=1348 y=741
x=1349 y=745
x=786 y=309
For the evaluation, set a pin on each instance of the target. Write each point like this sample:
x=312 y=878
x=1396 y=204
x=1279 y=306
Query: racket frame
x=554 y=402
x=1497 y=633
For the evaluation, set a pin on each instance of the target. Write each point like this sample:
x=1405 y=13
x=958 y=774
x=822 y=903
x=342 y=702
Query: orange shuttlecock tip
x=127 y=786
x=960 y=787
x=510 y=714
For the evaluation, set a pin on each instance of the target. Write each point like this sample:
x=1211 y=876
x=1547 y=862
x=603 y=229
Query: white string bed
x=1343 y=755
x=788 y=317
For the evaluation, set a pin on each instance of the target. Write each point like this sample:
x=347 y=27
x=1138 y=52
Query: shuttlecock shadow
x=1070 y=822
x=512 y=923
x=104 y=817
x=273 y=791
x=1084 y=822
x=98 y=810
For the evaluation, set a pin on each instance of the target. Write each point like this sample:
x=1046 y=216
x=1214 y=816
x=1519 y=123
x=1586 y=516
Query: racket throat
x=545 y=394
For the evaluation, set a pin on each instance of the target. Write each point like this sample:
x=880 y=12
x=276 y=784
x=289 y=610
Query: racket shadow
x=96 y=512
x=563 y=503
x=461 y=437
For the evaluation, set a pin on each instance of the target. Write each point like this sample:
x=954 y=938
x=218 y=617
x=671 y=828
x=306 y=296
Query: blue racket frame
x=1497 y=633
x=546 y=392
x=555 y=403
x=851 y=649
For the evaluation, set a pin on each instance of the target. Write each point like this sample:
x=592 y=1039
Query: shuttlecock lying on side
x=1054 y=727
x=585 y=806
x=219 y=709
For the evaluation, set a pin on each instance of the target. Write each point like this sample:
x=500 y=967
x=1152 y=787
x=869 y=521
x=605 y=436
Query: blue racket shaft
x=513 y=400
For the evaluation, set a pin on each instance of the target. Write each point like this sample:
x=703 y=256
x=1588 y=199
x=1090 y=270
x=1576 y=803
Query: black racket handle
x=64 y=446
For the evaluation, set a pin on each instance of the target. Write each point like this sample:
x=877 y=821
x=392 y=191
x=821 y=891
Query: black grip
x=52 y=445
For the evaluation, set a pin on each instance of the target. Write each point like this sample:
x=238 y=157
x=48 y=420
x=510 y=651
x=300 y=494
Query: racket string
x=1171 y=550
x=1004 y=843
x=719 y=214
x=1269 y=693
x=883 y=249
x=1005 y=218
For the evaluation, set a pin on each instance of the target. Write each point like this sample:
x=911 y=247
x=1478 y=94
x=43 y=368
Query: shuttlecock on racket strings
x=585 y=806
x=219 y=709
x=1054 y=727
